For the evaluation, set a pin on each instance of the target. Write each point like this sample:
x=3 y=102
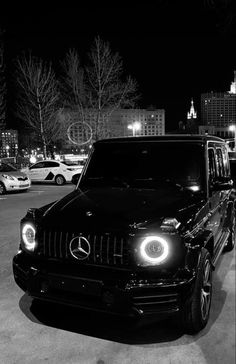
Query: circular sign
x=79 y=133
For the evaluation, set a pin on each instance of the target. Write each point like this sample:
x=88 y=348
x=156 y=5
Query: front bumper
x=17 y=186
x=115 y=291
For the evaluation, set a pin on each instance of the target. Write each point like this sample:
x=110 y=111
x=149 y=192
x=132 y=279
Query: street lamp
x=135 y=126
x=7 y=150
x=233 y=129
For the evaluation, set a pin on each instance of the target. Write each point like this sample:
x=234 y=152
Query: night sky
x=175 y=52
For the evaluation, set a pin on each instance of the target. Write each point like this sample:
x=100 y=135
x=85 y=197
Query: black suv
x=140 y=234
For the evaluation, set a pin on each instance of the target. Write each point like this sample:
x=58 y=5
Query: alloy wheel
x=206 y=290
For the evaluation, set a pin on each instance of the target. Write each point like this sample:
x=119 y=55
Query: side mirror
x=75 y=178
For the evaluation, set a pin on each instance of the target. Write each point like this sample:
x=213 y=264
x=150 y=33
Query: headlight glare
x=28 y=236
x=154 y=249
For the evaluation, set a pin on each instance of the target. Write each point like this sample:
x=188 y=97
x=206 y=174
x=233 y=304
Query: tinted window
x=219 y=163
x=211 y=164
x=226 y=162
x=145 y=162
x=50 y=164
x=38 y=165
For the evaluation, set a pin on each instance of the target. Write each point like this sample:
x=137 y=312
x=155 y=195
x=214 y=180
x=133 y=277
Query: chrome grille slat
x=54 y=245
x=100 y=253
x=114 y=251
x=107 y=249
x=94 y=248
x=60 y=245
x=108 y=243
x=121 y=249
x=49 y=245
x=66 y=245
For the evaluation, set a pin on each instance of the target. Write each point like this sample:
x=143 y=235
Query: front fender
x=194 y=247
x=231 y=207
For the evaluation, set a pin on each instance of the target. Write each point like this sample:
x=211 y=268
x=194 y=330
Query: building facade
x=119 y=123
x=218 y=112
x=129 y=122
x=8 y=143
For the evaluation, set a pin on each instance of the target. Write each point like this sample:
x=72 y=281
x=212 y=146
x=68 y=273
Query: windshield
x=4 y=167
x=145 y=165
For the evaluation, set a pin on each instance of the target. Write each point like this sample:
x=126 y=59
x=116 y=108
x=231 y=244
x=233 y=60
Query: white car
x=12 y=179
x=53 y=171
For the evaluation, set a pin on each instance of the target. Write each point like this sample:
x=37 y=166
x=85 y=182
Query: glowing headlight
x=7 y=176
x=28 y=236
x=154 y=249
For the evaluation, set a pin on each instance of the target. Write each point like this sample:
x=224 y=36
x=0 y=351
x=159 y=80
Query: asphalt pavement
x=58 y=335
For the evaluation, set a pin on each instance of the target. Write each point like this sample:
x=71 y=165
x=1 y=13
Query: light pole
x=233 y=129
x=7 y=150
x=135 y=126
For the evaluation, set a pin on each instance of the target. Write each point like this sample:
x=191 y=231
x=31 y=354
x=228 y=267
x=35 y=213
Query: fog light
x=154 y=249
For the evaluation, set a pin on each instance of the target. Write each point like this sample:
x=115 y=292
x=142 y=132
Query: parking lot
x=61 y=335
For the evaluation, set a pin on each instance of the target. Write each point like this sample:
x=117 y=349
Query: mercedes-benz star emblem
x=80 y=247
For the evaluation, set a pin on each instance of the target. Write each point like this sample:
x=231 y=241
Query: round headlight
x=28 y=236
x=154 y=249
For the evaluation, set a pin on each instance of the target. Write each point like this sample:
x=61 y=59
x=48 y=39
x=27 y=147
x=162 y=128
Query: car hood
x=117 y=208
x=15 y=174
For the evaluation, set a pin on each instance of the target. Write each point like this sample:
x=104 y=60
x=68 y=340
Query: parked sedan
x=11 y=179
x=52 y=171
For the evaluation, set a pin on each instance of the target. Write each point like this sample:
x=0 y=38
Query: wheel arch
x=4 y=188
x=60 y=175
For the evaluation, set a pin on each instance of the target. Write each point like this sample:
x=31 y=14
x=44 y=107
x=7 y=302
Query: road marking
x=3 y=198
x=37 y=191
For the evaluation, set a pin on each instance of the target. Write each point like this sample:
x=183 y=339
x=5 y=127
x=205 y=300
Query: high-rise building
x=218 y=112
x=8 y=143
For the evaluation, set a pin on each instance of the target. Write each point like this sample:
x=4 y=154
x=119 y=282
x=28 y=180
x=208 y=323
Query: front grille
x=22 y=178
x=106 y=249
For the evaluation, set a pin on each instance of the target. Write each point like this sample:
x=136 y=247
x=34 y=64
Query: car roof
x=47 y=160
x=166 y=137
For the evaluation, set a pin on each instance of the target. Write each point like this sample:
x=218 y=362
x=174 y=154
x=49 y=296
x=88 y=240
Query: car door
x=37 y=171
x=51 y=170
x=217 y=198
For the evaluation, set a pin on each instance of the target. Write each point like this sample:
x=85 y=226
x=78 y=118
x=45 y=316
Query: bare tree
x=107 y=92
x=73 y=83
x=3 y=87
x=38 y=99
x=225 y=11
x=97 y=88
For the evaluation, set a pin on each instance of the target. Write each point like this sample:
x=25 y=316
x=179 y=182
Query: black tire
x=2 y=189
x=232 y=237
x=195 y=314
x=60 y=180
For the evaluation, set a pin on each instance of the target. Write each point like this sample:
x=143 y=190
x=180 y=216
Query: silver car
x=11 y=179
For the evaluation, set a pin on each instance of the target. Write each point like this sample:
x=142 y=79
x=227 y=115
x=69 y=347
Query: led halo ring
x=28 y=245
x=160 y=240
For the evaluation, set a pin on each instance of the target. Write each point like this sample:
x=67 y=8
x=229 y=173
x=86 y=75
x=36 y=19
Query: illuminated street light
x=134 y=127
x=7 y=150
x=233 y=129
